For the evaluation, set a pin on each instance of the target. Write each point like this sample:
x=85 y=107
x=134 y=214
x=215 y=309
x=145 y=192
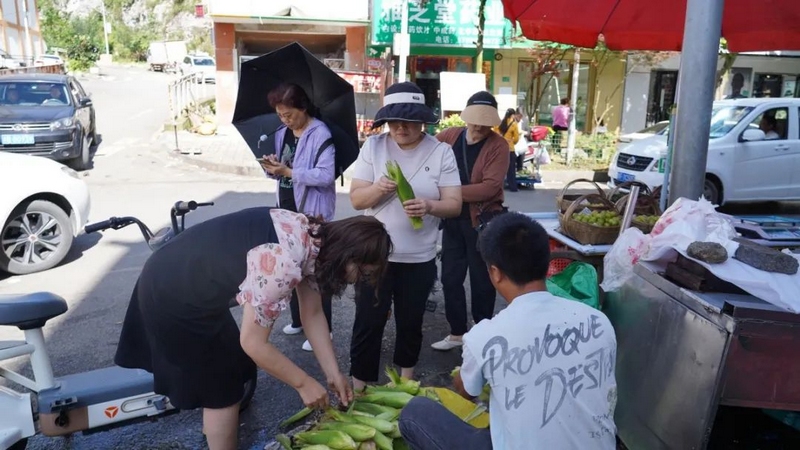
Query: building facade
x=650 y=92
x=21 y=33
x=335 y=32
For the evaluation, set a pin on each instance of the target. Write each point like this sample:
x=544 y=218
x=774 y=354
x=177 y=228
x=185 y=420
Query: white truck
x=164 y=56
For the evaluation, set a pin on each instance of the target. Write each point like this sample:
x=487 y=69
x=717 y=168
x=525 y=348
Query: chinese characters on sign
x=441 y=22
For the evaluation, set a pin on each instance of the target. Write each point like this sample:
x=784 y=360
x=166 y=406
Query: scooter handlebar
x=99 y=226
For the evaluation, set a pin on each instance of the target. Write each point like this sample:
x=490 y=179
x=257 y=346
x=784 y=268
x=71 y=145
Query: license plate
x=17 y=139
x=623 y=177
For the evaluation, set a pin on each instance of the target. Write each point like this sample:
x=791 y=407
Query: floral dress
x=274 y=270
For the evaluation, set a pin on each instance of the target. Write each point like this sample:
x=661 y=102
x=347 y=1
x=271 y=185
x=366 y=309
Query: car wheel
x=712 y=191
x=84 y=161
x=36 y=237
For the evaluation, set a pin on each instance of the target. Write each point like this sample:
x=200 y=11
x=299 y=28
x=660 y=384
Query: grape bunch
x=646 y=220
x=599 y=218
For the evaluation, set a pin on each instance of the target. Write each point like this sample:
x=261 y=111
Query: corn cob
x=393 y=399
x=403 y=384
x=381 y=425
x=358 y=432
x=383 y=442
x=368 y=445
x=297 y=416
x=404 y=190
x=336 y=440
x=316 y=447
x=377 y=410
x=395 y=433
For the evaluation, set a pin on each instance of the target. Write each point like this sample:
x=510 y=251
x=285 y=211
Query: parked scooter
x=85 y=402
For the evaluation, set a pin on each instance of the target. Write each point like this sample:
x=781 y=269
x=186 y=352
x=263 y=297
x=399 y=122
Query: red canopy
x=747 y=25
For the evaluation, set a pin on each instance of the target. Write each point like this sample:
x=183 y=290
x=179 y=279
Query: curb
x=215 y=167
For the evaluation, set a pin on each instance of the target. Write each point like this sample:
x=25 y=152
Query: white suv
x=753 y=153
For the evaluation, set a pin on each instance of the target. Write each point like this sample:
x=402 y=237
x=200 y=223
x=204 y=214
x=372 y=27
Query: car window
x=725 y=118
x=204 y=62
x=35 y=93
x=773 y=122
x=78 y=85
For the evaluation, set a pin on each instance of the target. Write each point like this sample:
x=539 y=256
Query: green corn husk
x=404 y=190
x=381 y=425
x=285 y=441
x=376 y=410
x=358 y=432
x=383 y=442
x=400 y=444
x=479 y=409
x=395 y=433
x=392 y=399
x=336 y=440
x=316 y=447
x=297 y=416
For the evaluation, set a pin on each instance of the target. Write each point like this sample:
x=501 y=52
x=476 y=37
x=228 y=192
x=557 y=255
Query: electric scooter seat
x=30 y=311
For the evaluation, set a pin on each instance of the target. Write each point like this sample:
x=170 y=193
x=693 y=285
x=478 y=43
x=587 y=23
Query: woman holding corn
x=426 y=167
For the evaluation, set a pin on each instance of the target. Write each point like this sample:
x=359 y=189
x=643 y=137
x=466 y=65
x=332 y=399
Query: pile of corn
x=371 y=421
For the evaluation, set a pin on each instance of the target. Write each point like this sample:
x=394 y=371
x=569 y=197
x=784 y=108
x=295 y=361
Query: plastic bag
x=578 y=281
x=521 y=147
x=624 y=254
x=544 y=157
x=686 y=221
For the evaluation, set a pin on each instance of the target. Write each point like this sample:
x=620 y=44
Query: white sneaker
x=447 y=344
x=290 y=330
x=307 y=345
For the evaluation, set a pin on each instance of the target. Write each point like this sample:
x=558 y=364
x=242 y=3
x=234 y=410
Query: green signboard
x=450 y=23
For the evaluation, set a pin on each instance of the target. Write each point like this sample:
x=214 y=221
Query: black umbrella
x=331 y=95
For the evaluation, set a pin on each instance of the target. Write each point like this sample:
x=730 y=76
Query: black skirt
x=179 y=326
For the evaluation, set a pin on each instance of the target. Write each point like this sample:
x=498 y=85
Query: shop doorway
x=426 y=70
x=662 y=95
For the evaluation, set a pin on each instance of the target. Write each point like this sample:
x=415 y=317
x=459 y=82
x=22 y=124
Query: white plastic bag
x=521 y=147
x=686 y=221
x=544 y=157
x=624 y=254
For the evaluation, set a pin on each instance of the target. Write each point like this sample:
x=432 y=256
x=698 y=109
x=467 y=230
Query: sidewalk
x=226 y=152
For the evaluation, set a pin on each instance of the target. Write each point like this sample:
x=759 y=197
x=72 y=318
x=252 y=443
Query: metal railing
x=187 y=93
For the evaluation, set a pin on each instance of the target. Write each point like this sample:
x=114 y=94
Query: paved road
x=133 y=176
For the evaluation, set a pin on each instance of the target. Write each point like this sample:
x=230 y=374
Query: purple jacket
x=319 y=181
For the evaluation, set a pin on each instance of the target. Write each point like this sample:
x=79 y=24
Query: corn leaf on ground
x=336 y=440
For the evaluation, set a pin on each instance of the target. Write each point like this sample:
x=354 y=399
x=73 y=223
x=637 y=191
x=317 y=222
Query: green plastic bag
x=578 y=281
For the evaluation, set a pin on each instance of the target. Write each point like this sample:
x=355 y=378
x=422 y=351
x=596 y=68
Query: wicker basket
x=585 y=233
x=563 y=200
x=643 y=202
x=644 y=207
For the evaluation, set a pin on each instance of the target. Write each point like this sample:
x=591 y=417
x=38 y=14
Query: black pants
x=459 y=254
x=294 y=306
x=408 y=286
x=511 y=175
x=520 y=162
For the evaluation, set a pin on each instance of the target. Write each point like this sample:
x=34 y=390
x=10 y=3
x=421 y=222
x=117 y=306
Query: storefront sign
x=450 y=23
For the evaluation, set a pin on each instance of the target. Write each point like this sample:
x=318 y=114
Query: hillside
x=134 y=23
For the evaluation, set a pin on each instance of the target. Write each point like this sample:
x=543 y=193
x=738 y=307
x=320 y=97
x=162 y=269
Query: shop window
x=767 y=85
x=548 y=89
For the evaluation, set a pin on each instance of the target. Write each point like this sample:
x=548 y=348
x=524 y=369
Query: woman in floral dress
x=179 y=327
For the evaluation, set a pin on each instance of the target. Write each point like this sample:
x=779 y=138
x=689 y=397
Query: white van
x=753 y=153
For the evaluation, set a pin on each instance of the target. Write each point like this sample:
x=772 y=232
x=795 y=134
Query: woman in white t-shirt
x=431 y=170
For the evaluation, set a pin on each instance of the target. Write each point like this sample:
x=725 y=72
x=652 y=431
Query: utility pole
x=573 y=106
x=402 y=42
x=105 y=25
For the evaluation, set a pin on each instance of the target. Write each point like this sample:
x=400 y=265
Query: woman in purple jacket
x=303 y=164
